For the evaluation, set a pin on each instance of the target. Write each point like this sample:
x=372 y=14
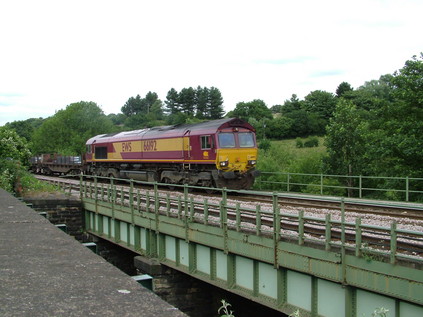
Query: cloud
x=326 y=73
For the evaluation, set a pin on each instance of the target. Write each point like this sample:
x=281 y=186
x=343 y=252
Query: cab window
x=206 y=142
x=101 y=152
x=246 y=139
x=226 y=140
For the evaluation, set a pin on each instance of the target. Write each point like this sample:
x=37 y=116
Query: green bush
x=17 y=180
x=299 y=143
x=330 y=187
x=9 y=171
x=265 y=145
x=311 y=142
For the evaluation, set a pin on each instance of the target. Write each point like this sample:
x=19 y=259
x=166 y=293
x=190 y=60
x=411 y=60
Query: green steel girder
x=383 y=278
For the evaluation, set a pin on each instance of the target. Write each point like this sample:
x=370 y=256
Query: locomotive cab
x=236 y=156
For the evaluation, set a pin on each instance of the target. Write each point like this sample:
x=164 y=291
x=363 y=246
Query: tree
x=132 y=106
x=68 y=130
x=293 y=104
x=14 y=155
x=279 y=128
x=322 y=103
x=256 y=109
x=396 y=139
x=117 y=119
x=300 y=123
x=13 y=147
x=187 y=101
x=25 y=128
x=345 y=141
x=343 y=88
x=408 y=82
x=202 y=100
x=150 y=99
x=215 y=106
x=172 y=102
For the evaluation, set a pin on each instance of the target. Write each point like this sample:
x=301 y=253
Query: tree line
x=375 y=129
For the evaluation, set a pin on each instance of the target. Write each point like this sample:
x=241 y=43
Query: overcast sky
x=54 y=53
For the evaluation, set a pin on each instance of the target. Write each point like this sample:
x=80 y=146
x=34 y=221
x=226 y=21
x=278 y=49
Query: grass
x=285 y=156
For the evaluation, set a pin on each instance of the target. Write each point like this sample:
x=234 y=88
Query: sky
x=54 y=53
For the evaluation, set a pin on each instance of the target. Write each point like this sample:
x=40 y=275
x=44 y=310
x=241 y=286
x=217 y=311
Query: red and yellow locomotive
x=219 y=153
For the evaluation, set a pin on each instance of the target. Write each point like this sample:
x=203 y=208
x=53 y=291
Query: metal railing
x=356 y=237
x=409 y=189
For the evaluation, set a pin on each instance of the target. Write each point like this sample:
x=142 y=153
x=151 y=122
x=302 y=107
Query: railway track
x=391 y=209
x=254 y=214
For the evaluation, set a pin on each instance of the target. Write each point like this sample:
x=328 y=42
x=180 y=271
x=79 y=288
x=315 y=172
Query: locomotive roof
x=179 y=130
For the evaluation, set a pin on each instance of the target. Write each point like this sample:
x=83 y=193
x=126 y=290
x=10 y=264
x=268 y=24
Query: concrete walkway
x=45 y=272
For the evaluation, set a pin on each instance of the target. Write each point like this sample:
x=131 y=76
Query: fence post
x=131 y=198
x=321 y=184
x=328 y=232
x=407 y=184
x=258 y=220
x=206 y=211
x=287 y=182
x=301 y=227
x=358 y=237
x=360 y=186
x=80 y=186
x=393 y=241
x=238 y=217
x=276 y=228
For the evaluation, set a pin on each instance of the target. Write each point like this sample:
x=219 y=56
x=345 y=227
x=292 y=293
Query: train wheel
x=169 y=182
x=210 y=187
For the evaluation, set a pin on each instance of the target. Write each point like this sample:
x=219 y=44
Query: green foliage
x=408 y=83
x=379 y=312
x=25 y=128
x=203 y=103
x=144 y=112
x=331 y=187
x=321 y=103
x=68 y=130
x=295 y=313
x=8 y=174
x=30 y=184
x=227 y=312
x=299 y=143
x=303 y=117
x=15 y=179
x=265 y=145
x=279 y=127
x=13 y=147
x=345 y=140
x=311 y=142
x=140 y=105
x=342 y=89
x=117 y=119
x=256 y=109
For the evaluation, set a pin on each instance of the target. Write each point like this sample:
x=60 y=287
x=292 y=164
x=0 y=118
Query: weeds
x=225 y=308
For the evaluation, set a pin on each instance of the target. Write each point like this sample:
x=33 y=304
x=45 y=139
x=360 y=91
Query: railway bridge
x=264 y=254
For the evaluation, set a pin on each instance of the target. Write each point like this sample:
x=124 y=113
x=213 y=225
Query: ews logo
x=126 y=147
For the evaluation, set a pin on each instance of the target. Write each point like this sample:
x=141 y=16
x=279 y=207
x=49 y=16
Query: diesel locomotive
x=218 y=153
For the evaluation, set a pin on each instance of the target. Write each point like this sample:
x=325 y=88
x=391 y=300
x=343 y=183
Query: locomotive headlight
x=224 y=163
x=252 y=162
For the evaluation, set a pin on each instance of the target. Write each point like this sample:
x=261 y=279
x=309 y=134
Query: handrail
x=352 y=236
x=379 y=187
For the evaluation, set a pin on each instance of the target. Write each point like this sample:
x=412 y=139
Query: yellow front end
x=236 y=160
